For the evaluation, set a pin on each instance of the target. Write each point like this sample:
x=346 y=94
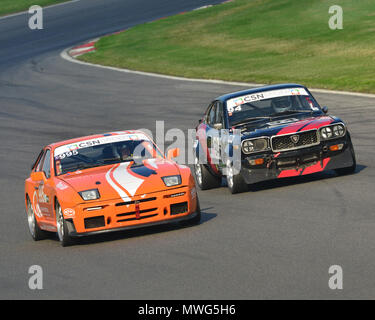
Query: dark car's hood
x=123 y=180
x=285 y=125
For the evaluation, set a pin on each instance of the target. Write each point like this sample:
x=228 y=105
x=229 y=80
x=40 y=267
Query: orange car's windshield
x=105 y=154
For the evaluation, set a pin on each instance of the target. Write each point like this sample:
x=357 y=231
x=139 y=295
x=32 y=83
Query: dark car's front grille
x=302 y=140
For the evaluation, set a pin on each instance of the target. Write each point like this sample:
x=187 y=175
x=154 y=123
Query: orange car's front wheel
x=62 y=229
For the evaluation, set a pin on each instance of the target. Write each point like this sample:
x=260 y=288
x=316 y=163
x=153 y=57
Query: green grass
x=13 y=6
x=263 y=41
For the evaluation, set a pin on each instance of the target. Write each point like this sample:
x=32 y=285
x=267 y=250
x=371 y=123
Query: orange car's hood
x=123 y=180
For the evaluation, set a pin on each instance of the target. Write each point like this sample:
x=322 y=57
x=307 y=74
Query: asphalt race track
x=276 y=241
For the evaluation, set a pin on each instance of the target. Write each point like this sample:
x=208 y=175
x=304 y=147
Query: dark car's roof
x=228 y=96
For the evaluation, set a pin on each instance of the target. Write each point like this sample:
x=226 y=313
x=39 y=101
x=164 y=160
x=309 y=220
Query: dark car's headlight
x=171 y=181
x=331 y=132
x=255 y=145
x=90 y=194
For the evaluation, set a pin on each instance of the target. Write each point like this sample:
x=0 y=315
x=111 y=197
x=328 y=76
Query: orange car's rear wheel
x=36 y=233
x=62 y=229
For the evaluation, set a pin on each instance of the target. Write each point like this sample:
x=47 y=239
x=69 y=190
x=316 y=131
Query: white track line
x=66 y=56
x=47 y=7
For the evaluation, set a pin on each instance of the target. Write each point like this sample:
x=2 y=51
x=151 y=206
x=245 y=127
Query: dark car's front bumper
x=298 y=162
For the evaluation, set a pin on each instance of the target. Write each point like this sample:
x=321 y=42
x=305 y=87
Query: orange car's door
x=45 y=189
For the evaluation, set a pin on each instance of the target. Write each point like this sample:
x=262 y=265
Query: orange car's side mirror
x=173 y=153
x=37 y=176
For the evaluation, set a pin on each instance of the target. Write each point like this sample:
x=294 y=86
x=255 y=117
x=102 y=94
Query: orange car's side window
x=46 y=168
x=38 y=161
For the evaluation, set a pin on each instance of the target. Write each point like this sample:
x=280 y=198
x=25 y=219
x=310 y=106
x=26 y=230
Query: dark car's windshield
x=268 y=104
x=95 y=153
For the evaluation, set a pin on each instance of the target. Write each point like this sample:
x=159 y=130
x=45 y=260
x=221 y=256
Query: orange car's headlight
x=90 y=194
x=171 y=181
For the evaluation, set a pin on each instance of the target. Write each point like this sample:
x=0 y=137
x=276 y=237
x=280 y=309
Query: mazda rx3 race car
x=107 y=182
x=276 y=132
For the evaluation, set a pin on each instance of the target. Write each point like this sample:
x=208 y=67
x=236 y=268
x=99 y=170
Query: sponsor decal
x=233 y=104
x=70 y=213
x=44 y=211
x=66 y=149
x=42 y=197
x=36 y=207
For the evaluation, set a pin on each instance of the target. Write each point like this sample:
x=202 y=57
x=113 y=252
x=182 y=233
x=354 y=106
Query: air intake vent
x=178 y=208
x=94 y=222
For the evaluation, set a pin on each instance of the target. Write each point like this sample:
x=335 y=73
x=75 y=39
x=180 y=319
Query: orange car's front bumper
x=156 y=208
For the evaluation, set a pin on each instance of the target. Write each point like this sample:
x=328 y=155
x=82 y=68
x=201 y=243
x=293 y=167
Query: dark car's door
x=215 y=123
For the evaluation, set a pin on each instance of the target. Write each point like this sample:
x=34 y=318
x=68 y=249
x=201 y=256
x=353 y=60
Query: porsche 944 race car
x=277 y=131
x=107 y=182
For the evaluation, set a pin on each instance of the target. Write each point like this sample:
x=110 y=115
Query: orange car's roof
x=61 y=143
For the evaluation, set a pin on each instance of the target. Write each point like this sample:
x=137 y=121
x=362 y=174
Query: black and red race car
x=267 y=133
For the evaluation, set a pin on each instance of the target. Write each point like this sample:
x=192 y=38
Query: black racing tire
x=62 y=229
x=351 y=169
x=204 y=178
x=235 y=182
x=35 y=231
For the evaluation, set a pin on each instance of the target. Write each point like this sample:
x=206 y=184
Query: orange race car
x=107 y=182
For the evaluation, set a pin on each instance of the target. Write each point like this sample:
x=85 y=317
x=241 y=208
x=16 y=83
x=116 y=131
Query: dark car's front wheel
x=235 y=182
x=351 y=169
x=205 y=179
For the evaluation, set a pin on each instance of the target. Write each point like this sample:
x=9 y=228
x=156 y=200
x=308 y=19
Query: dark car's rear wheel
x=62 y=229
x=205 y=179
x=36 y=233
x=351 y=169
x=235 y=182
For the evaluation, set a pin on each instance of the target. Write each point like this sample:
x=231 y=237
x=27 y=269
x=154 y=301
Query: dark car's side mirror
x=325 y=109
